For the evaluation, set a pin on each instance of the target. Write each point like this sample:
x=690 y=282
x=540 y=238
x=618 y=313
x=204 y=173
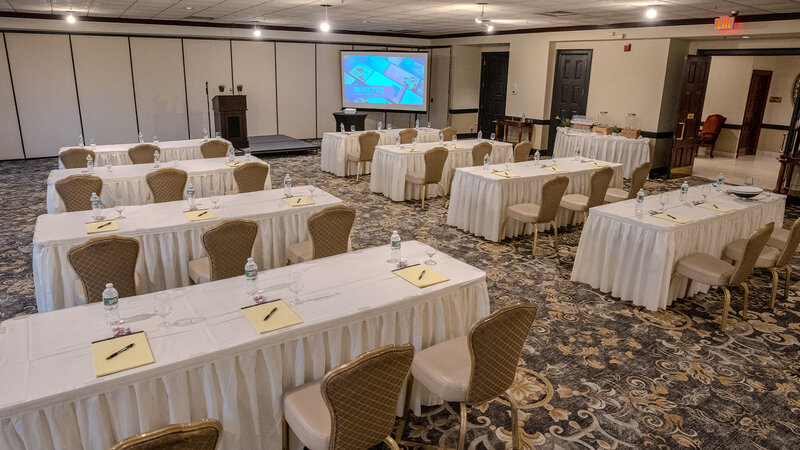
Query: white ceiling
x=429 y=17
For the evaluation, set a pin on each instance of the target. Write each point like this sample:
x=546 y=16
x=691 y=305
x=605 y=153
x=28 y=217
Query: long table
x=336 y=145
x=217 y=365
x=117 y=154
x=629 y=152
x=632 y=257
x=167 y=239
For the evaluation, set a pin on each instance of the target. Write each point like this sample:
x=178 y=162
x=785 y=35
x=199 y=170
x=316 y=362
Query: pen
x=127 y=347
x=421 y=274
x=270 y=314
x=298 y=199
x=715 y=206
x=670 y=215
x=101 y=226
x=202 y=213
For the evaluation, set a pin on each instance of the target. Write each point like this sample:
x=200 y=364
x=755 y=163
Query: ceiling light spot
x=651 y=13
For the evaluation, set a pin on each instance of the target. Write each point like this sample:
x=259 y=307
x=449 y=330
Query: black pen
x=421 y=274
x=101 y=226
x=202 y=213
x=127 y=347
x=715 y=206
x=270 y=314
x=670 y=215
x=298 y=199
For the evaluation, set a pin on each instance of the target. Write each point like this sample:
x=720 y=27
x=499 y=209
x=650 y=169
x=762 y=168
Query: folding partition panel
x=254 y=69
x=206 y=60
x=10 y=142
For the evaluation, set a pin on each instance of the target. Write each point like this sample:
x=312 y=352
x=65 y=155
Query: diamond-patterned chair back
x=598 y=186
x=143 y=153
x=522 y=151
x=76 y=191
x=214 y=148
x=638 y=178
x=362 y=396
x=200 y=435
x=251 y=176
x=166 y=184
x=407 y=135
x=448 y=133
x=791 y=245
x=366 y=143
x=434 y=164
x=75 y=158
x=229 y=244
x=552 y=191
x=330 y=230
x=106 y=259
x=752 y=250
x=479 y=151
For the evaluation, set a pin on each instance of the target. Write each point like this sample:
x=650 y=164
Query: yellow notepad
x=234 y=164
x=673 y=218
x=200 y=214
x=298 y=200
x=283 y=317
x=596 y=164
x=412 y=275
x=554 y=169
x=506 y=174
x=102 y=226
x=715 y=207
x=137 y=356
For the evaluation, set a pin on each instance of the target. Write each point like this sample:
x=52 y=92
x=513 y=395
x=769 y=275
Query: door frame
x=480 y=86
x=551 y=135
x=757 y=131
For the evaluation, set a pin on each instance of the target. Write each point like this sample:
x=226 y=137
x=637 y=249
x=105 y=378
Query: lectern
x=230 y=118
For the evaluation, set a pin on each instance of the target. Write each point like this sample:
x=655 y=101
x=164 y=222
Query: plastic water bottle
x=205 y=134
x=416 y=124
x=720 y=181
x=536 y=157
x=250 y=276
x=111 y=305
x=486 y=162
x=287 y=185
x=380 y=126
x=577 y=153
x=441 y=139
x=231 y=154
x=341 y=127
x=684 y=191
x=190 y=197
x=395 y=243
x=141 y=138
x=480 y=135
x=156 y=159
x=640 y=202
x=89 y=163
x=95 y=201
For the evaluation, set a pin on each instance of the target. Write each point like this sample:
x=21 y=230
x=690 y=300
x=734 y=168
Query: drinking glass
x=748 y=181
x=163 y=307
x=312 y=186
x=508 y=161
x=155 y=139
x=218 y=135
x=491 y=137
x=119 y=206
x=455 y=140
x=108 y=167
x=296 y=285
x=352 y=128
x=413 y=142
x=431 y=250
x=705 y=191
x=664 y=199
x=555 y=161
x=247 y=153
x=92 y=143
x=389 y=126
x=215 y=199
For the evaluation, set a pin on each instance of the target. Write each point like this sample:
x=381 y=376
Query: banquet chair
x=251 y=176
x=434 y=166
x=215 y=148
x=771 y=258
x=366 y=144
x=552 y=191
x=522 y=151
x=638 y=177
x=708 y=135
x=75 y=158
x=228 y=245
x=597 y=192
x=479 y=367
x=76 y=191
x=353 y=406
x=101 y=260
x=143 y=153
x=166 y=184
x=706 y=269
x=330 y=235
x=201 y=435
x=448 y=133
x=407 y=135
x=479 y=151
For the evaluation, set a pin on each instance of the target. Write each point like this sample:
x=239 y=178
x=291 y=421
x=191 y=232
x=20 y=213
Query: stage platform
x=279 y=143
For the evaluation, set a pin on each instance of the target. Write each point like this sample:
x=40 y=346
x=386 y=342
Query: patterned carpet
x=595 y=372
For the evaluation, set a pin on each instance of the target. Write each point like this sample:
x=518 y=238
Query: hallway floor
x=763 y=167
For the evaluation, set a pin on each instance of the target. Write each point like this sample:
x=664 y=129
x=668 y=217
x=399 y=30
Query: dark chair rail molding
x=464 y=111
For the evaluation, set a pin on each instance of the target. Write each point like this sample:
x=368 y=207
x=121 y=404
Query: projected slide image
x=371 y=79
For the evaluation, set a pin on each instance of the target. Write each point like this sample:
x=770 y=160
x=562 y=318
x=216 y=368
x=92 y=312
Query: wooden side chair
x=545 y=212
x=597 y=192
x=215 y=148
x=228 y=245
x=102 y=260
x=522 y=151
x=75 y=158
x=76 y=191
x=435 y=159
x=479 y=151
x=200 y=435
x=166 y=184
x=366 y=144
x=143 y=153
x=708 y=135
x=448 y=133
x=407 y=135
x=251 y=176
x=638 y=177
x=330 y=235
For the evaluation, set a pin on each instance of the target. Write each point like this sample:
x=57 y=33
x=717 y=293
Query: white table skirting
x=218 y=366
x=633 y=257
x=479 y=198
x=117 y=154
x=336 y=145
x=390 y=164
x=631 y=153
x=167 y=240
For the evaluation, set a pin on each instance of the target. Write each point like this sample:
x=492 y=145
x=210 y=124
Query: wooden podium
x=230 y=118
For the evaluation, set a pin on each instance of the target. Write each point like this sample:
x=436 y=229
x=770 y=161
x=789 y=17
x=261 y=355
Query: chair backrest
x=362 y=395
x=522 y=151
x=599 y=185
x=366 y=143
x=229 y=244
x=752 y=250
x=75 y=158
x=200 y=435
x=448 y=133
x=215 y=148
x=552 y=191
x=479 y=151
x=330 y=230
x=495 y=346
x=791 y=245
x=713 y=123
x=638 y=177
x=434 y=164
x=407 y=135
x=76 y=191
x=166 y=184
x=251 y=176
x=106 y=259
x=143 y=153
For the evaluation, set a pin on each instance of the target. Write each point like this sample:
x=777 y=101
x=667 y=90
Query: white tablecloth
x=117 y=154
x=629 y=152
x=391 y=163
x=336 y=145
x=479 y=198
x=207 y=175
x=167 y=240
x=633 y=257
x=219 y=367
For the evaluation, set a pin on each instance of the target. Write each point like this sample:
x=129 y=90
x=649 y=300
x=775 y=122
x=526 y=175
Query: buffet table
x=336 y=145
x=629 y=152
x=117 y=154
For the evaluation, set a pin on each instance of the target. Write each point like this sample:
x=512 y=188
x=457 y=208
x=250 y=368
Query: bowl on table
x=745 y=191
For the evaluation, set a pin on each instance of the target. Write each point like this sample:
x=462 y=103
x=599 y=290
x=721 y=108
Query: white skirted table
x=336 y=145
x=629 y=152
x=632 y=257
x=167 y=239
x=390 y=163
x=479 y=198
x=211 y=363
x=117 y=154
x=128 y=183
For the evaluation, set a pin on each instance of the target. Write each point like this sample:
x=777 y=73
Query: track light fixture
x=325 y=26
x=479 y=19
x=256 y=31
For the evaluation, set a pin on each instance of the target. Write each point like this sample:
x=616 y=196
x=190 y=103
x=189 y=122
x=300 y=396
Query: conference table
x=211 y=363
x=631 y=153
x=212 y=176
x=117 y=154
x=335 y=145
x=479 y=197
x=632 y=256
x=168 y=240
x=391 y=163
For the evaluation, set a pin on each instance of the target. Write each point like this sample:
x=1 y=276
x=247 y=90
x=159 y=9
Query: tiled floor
x=763 y=167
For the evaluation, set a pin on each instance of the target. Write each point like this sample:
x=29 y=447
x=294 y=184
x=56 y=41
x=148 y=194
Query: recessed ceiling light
x=325 y=26
x=187 y=7
x=746 y=36
x=489 y=28
x=70 y=17
x=651 y=13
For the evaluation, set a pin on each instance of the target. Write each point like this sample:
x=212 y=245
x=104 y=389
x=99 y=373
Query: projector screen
x=385 y=81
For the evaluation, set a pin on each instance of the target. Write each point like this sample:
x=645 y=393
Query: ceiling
x=424 y=17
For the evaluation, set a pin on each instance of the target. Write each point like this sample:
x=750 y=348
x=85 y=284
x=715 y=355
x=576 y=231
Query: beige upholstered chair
x=407 y=135
x=251 y=176
x=552 y=191
x=101 y=260
x=214 y=148
x=479 y=151
x=707 y=269
x=166 y=184
x=638 y=177
x=448 y=133
x=200 y=435
x=366 y=144
x=434 y=166
x=330 y=234
x=76 y=191
x=75 y=158
x=597 y=192
x=143 y=153
x=771 y=258
x=228 y=245
x=522 y=151
x=479 y=367
x=353 y=406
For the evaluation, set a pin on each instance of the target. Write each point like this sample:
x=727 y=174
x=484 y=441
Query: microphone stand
x=208 y=108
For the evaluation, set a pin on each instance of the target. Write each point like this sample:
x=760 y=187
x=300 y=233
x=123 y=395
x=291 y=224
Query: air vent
x=555 y=13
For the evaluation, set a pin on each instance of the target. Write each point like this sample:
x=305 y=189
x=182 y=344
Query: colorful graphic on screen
x=384 y=80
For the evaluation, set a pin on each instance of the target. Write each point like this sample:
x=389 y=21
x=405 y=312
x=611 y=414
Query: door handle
x=683 y=131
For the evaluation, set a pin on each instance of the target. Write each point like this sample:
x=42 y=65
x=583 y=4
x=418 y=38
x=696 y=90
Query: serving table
x=629 y=152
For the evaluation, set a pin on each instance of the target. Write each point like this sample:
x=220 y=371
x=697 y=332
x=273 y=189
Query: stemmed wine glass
x=748 y=181
x=705 y=190
x=431 y=250
x=491 y=137
x=312 y=186
x=508 y=162
x=296 y=285
x=215 y=199
x=119 y=206
x=163 y=308
x=663 y=199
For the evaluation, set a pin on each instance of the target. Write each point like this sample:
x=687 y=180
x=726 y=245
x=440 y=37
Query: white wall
x=297 y=109
x=254 y=68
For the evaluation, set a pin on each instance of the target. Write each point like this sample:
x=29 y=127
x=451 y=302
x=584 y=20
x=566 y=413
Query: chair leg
x=585 y=216
x=726 y=305
x=285 y=437
x=391 y=443
x=502 y=234
x=346 y=168
x=746 y=299
x=688 y=285
x=409 y=385
x=462 y=432
x=358 y=170
x=788 y=281
x=555 y=233
x=775 y=279
x=535 y=239
x=514 y=421
x=424 y=193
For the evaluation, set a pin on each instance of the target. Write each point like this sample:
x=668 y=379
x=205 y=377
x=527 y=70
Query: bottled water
x=341 y=127
x=190 y=197
x=156 y=159
x=684 y=191
x=480 y=135
x=536 y=157
x=640 y=202
x=416 y=124
x=380 y=126
x=250 y=276
x=80 y=141
x=441 y=139
x=89 y=163
x=141 y=138
x=395 y=242
x=205 y=134
x=486 y=162
x=287 y=185
x=720 y=181
x=95 y=201
x=577 y=153
x=231 y=154
x=111 y=305
x=397 y=140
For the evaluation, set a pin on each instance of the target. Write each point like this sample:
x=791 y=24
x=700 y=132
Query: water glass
x=352 y=128
x=218 y=135
x=705 y=191
x=296 y=285
x=92 y=143
x=748 y=181
x=163 y=307
x=108 y=167
x=155 y=139
x=312 y=186
x=413 y=142
x=664 y=199
x=455 y=140
x=389 y=126
x=119 y=206
x=215 y=199
x=491 y=137
x=247 y=154
x=431 y=250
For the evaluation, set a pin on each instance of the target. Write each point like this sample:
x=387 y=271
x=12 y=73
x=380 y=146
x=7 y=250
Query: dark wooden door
x=690 y=110
x=570 y=88
x=494 y=79
x=754 y=112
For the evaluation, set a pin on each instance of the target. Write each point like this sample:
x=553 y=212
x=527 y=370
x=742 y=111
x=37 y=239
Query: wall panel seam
x=75 y=79
x=14 y=94
x=186 y=93
x=133 y=86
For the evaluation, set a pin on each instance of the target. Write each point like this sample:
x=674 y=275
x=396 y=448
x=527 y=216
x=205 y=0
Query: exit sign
x=724 y=23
